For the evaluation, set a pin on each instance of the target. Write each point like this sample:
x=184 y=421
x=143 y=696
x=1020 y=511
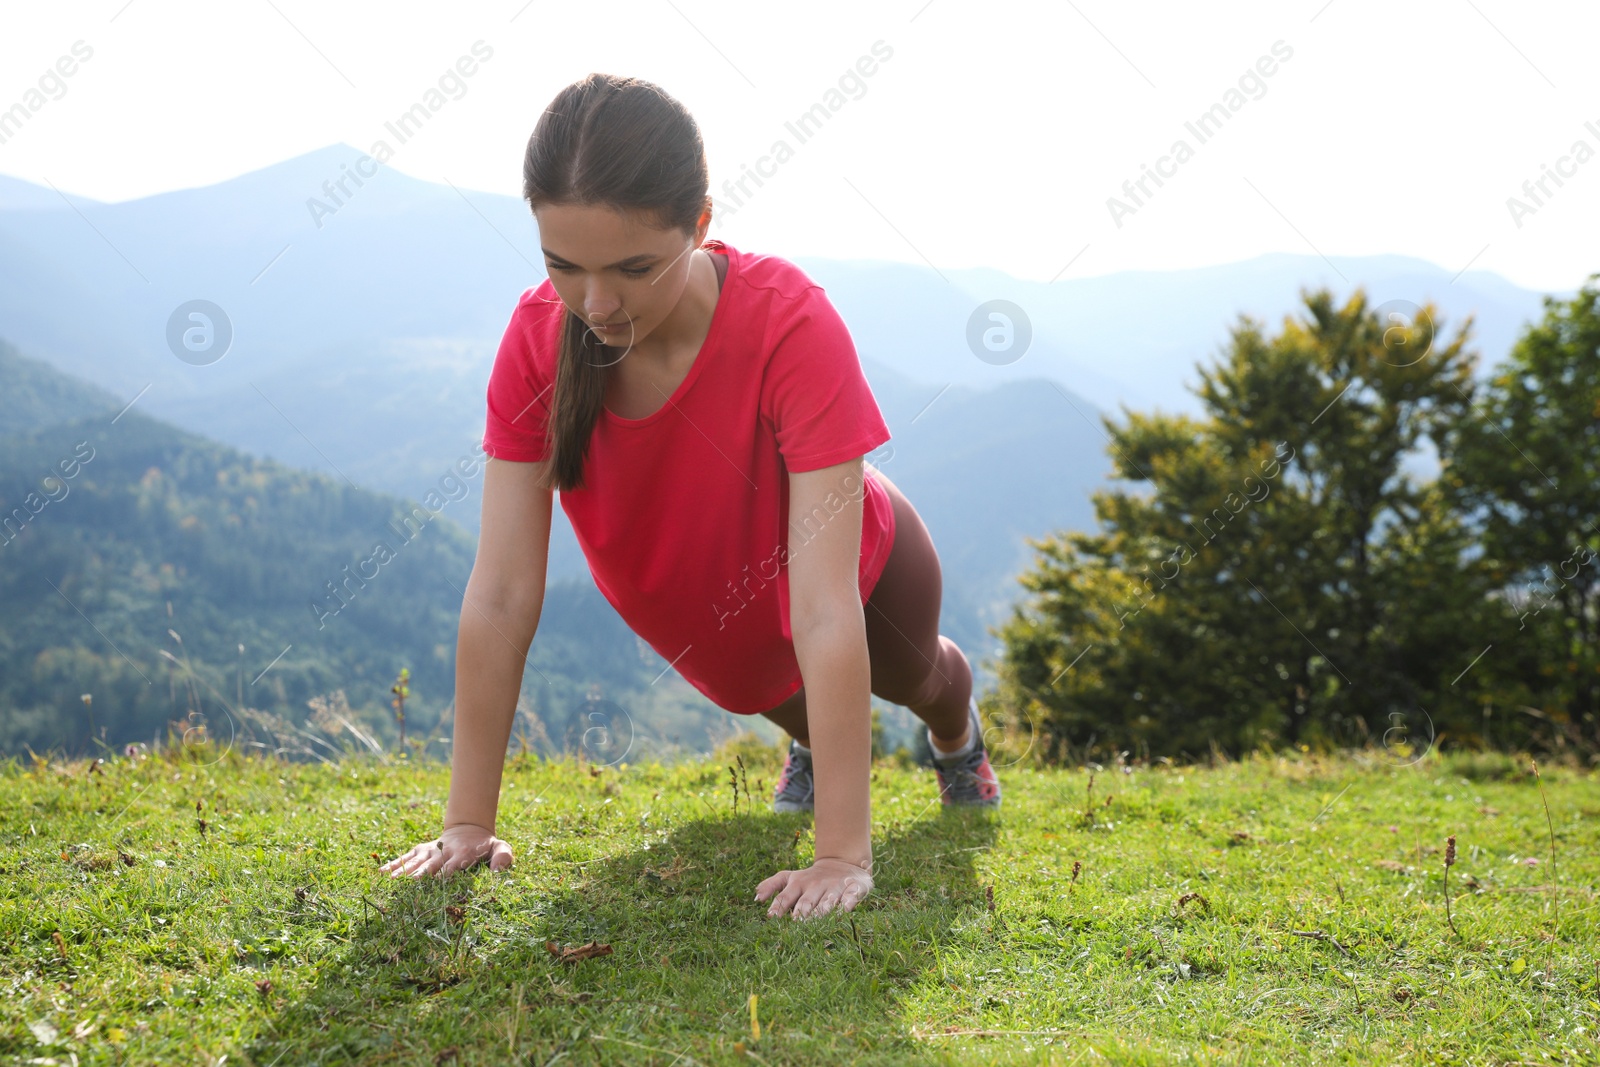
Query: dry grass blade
x=577 y=952
x=1320 y=935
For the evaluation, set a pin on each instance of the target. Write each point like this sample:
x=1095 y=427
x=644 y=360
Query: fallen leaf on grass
x=1390 y=865
x=577 y=952
x=658 y=876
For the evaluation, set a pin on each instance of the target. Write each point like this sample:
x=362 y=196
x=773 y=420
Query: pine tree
x=1527 y=473
x=1279 y=576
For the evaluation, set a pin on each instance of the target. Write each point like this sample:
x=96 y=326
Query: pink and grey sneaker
x=968 y=780
x=796 y=789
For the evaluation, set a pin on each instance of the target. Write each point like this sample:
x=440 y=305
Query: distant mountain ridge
x=37 y=395
x=409 y=259
x=362 y=345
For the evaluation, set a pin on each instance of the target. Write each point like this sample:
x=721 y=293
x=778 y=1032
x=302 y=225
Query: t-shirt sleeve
x=518 y=409
x=815 y=394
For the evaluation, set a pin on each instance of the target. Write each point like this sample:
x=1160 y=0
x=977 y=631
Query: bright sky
x=987 y=134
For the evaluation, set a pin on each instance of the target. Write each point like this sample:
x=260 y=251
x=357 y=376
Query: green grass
x=132 y=937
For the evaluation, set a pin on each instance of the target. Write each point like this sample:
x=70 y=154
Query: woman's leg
x=913 y=665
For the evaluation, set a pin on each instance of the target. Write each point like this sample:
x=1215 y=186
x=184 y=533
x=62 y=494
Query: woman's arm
x=490 y=653
x=830 y=640
x=833 y=659
x=499 y=616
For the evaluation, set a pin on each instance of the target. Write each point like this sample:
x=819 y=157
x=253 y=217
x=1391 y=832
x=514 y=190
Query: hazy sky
x=987 y=134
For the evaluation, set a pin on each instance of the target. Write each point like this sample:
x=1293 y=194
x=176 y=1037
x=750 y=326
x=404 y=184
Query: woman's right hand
x=458 y=847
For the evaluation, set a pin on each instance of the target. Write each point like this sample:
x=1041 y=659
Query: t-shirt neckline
x=713 y=334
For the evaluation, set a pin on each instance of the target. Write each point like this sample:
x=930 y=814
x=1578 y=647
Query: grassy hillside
x=1279 y=910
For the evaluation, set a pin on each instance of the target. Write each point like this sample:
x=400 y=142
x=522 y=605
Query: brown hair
x=626 y=144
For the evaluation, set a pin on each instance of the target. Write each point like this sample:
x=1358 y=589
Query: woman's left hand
x=820 y=888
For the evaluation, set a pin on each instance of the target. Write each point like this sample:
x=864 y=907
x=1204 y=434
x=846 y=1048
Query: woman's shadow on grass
x=689 y=945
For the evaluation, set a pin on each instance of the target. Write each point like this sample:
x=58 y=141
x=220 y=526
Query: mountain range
x=361 y=343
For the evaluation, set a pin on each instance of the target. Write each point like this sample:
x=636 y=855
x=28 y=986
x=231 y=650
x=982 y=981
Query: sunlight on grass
x=161 y=910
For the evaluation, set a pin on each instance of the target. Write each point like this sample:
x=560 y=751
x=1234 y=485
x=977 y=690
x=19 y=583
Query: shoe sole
x=789 y=807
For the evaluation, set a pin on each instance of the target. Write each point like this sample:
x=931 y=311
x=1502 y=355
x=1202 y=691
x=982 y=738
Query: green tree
x=1526 y=471
x=1280 y=576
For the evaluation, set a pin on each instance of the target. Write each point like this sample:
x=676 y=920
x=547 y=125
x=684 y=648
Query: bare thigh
x=902 y=615
x=912 y=665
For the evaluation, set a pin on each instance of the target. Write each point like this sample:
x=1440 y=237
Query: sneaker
x=796 y=789
x=968 y=780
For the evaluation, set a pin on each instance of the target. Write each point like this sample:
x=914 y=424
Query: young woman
x=703 y=413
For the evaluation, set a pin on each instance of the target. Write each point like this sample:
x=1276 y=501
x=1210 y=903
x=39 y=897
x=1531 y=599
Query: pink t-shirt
x=684 y=515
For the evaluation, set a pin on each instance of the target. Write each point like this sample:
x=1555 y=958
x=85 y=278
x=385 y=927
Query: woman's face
x=612 y=267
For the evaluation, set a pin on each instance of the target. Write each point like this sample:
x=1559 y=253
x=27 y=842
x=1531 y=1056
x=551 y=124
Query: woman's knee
x=926 y=679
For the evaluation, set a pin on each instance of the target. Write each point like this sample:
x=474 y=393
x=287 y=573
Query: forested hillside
x=123 y=538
